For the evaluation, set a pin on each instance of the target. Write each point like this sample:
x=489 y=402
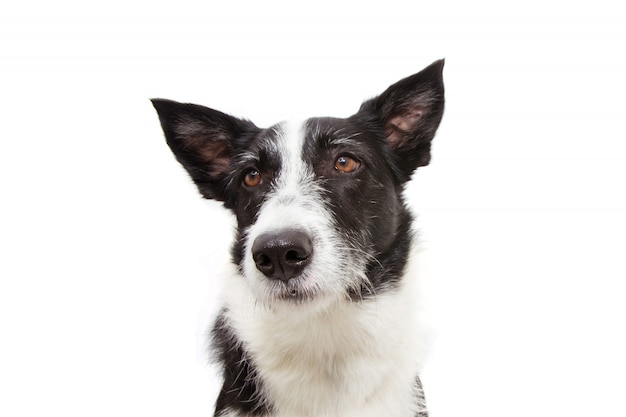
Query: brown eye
x=345 y=164
x=252 y=178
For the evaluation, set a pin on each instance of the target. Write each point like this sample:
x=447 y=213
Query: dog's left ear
x=202 y=140
x=409 y=113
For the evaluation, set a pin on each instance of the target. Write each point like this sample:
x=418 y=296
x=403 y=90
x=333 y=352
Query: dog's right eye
x=346 y=164
x=252 y=178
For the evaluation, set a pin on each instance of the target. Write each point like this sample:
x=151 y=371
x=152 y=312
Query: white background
x=107 y=252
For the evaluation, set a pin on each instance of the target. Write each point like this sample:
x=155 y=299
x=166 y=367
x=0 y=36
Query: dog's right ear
x=409 y=113
x=202 y=140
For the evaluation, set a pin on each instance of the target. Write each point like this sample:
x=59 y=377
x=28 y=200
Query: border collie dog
x=318 y=315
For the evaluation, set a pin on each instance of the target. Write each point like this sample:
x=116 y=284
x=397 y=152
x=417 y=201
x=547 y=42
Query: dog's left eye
x=252 y=178
x=346 y=164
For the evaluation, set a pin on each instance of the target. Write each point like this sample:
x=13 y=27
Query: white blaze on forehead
x=293 y=171
x=295 y=200
x=283 y=205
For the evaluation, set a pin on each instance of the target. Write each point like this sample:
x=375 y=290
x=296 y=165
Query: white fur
x=359 y=345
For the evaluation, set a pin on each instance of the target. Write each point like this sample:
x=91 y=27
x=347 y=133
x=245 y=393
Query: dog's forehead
x=310 y=133
x=331 y=131
x=296 y=141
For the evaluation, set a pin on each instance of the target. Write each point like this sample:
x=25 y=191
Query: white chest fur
x=349 y=359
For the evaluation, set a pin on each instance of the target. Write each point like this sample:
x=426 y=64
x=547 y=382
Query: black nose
x=282 y=255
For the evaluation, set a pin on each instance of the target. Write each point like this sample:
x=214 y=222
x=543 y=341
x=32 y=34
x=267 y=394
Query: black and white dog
x=318 y=315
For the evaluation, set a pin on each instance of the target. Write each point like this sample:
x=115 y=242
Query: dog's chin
x=296 y=295
x=292 y=292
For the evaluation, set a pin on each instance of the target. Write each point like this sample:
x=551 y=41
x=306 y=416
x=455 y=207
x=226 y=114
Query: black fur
x=390 y=136
x=241 y=389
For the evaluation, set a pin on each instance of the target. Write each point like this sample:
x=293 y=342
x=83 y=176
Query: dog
x=318 y=315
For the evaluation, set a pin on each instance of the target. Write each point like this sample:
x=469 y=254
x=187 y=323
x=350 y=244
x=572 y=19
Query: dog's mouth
x=294 y=290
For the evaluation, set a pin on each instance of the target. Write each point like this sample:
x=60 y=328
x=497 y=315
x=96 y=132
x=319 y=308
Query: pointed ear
x=409 y=113
x=202 y=140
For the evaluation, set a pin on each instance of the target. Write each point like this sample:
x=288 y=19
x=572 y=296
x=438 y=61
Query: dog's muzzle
x=282 y=255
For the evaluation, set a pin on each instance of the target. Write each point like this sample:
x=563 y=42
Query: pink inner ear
x=217 y=155
x=398 y=126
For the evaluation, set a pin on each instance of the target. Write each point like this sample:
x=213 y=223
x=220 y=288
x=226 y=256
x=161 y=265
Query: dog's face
x=318 y=203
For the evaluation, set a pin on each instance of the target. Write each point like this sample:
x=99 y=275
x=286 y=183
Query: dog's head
x=318 y=203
